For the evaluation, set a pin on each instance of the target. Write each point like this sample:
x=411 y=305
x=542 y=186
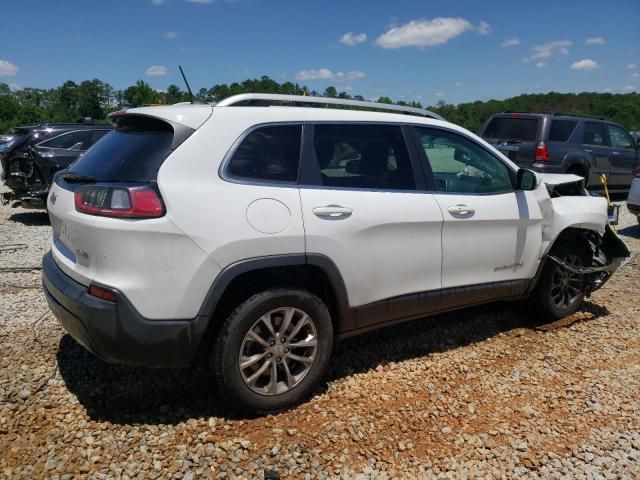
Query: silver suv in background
x=565 y=143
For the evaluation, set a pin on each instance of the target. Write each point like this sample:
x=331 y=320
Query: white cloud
x=631 y=66
x=526 y=60
x=586 y=64
x=629 y=88
x=547 y=50
x=200 y=1
x=158 y=2
x=511 y=42
x=347 y=88
x=483 y=28
x=7 y=69
x=595 y=41
x=439 y=94
x=170 y=35
x=423 y=33
x=350 y=39
x=313 y=74
x=541 y=65
x=635 y=75
x=156 y=71
x=14 y=87
x=326 y=74
x=459 y=84
x=607 y=90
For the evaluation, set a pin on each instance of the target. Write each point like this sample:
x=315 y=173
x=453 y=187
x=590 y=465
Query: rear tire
x=559 y=292
x=273 y=350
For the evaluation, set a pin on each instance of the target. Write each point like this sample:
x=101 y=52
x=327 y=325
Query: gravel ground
x=485 y=392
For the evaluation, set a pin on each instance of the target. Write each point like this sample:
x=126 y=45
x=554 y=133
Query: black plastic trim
x=228 y=274
x=116 y=332
x=424 y=304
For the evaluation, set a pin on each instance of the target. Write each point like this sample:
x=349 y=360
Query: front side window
x=80 y=140
x=594 y=134
x=270 y=153
x=619 y=138
x=363 y=156
x=459 y=165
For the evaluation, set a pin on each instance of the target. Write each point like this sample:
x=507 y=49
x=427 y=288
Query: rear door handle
x=615 y=154
x=332 y=211
x=588 y=150
x=460 y=210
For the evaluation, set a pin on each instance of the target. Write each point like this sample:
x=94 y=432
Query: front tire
x=560 y=292
x=273 y=350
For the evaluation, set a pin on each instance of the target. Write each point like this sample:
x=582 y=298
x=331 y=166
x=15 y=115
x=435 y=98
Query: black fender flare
x=346 y=320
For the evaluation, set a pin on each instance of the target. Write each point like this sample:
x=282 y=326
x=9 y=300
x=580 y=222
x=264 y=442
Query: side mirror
x=526 y=180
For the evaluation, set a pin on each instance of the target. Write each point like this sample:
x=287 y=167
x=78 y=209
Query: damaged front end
x=29 y=187
x=609 y=254
x=570 y=214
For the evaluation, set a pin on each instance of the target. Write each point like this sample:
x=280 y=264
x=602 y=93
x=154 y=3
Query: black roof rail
x=560 y=114
x=565 y=114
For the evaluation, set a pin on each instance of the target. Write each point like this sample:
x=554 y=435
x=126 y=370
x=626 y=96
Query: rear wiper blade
x=76 y=177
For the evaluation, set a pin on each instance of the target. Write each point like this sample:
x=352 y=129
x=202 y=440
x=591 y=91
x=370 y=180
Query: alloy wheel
x=278 y=351
x=566 y=286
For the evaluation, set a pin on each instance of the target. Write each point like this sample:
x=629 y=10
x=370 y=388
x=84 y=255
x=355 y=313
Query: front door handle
x=588 y=150
x=615 y=154
x=461 y=210
x=332 y=211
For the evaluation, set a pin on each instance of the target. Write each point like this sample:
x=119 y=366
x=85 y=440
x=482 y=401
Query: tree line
x=71 y=102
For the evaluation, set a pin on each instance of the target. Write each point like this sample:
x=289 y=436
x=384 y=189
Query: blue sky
x=455 y=51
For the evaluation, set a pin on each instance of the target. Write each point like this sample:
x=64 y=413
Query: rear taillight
x=542 y=154
x=119 y=201
x=637 y=171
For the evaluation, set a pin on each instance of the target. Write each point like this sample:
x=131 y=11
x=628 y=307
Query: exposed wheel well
x=574 y=235
x=580 y=170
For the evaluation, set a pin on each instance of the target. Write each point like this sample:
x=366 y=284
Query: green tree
x=330 y=92
x=140 y=94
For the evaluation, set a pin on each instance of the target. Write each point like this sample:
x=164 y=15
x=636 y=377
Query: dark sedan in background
x=35 y=153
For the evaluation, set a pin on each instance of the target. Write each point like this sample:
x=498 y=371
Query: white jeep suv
x=259 y=230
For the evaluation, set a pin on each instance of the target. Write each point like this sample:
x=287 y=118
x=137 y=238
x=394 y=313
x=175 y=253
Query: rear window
x=133 y=152
x=520 y=129
x=561 y=130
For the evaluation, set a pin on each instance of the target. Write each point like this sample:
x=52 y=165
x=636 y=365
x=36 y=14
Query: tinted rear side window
x=363 y=156
x=133 y=152
x=522 y=129
x=561 y=130
x=594 y=134
x=269 y=154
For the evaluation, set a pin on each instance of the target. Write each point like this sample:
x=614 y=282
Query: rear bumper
x=116 y=332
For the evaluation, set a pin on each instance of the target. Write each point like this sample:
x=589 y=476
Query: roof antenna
x=187 y=84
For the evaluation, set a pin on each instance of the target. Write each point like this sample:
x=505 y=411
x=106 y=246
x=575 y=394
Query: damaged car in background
x=31 y=156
